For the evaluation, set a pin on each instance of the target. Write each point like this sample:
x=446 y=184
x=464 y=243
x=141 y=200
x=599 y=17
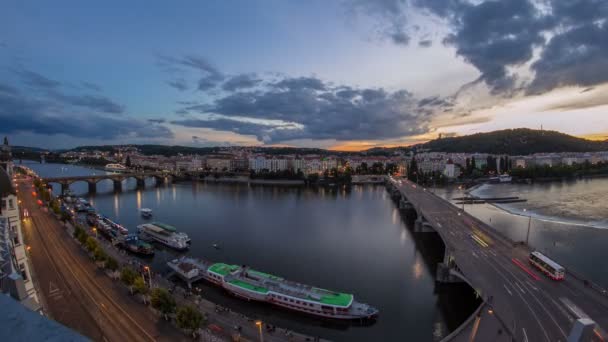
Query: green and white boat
x=250 y=284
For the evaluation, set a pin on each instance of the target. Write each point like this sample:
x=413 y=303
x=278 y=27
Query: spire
x=6 y=140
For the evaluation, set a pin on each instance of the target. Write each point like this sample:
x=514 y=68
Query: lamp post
x=95 y=231
x=147 y=268
x=529 y=224
x=259 y=325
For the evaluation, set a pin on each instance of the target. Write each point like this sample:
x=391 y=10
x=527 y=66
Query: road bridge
x=520 y=303
x=116 y=178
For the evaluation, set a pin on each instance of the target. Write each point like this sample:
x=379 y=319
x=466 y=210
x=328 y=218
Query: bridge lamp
x=491 y=311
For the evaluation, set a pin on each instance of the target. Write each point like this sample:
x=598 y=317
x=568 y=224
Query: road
x=75 y=292
x=530 y=305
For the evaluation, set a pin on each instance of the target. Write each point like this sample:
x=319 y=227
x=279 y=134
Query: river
x=348 y=240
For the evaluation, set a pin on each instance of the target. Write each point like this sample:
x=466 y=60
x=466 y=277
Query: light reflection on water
x=354 y=241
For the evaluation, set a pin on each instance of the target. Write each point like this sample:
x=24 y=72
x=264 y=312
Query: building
x=6 y=160
x=219 y=163
x=451 y=171
x=15 y=275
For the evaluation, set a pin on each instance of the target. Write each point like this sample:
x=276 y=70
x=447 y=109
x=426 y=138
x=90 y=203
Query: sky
x=349 y=75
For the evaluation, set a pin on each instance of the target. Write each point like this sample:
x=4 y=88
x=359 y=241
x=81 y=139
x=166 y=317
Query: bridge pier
x=92 y=187
x=423 y=226
x=117 y=185
x=404 y=204
x=64 y=188
x=447 y=271
x=141 y=183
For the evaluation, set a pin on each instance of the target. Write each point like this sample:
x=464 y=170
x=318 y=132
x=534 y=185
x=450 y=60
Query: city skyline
x=349 y=75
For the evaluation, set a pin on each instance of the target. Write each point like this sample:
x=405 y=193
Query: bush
x=162 y=301
x=127 y=275
x=189 y=318
x=82 y=237
x=90 y=243
x=100 y=254
x=111 y=264
x=140 y=285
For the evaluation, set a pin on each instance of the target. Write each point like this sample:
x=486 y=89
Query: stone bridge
x=117 y=179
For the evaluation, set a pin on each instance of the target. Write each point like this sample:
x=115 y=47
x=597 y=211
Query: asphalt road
x=530 y=305
x=75 y=292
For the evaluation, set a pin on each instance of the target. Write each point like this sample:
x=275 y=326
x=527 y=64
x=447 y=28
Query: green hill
x=521 y=141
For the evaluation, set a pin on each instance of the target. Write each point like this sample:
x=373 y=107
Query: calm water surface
x=354 y=241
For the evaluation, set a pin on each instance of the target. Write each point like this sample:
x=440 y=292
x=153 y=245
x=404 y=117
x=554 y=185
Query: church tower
x=6 y=159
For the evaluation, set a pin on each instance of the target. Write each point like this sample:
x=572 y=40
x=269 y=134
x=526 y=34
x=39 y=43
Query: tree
x=91 y=243
x=127 y=275
x=111 y=264
x=162 y=301
x=188 y=318
x=82 y=237
x=99 y=254
x=139 y=285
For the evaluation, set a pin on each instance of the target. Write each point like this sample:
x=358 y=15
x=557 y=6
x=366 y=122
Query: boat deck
x=260 y=282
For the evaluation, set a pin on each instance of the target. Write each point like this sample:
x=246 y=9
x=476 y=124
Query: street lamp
x=95 y=231
x=259 y=325
x=147 y=268
x=529 y=224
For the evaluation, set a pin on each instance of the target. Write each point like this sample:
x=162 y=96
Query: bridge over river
x=519 y=302
x=117 y=178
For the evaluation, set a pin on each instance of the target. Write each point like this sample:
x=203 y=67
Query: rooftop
x=223 y=269
x=21 y=324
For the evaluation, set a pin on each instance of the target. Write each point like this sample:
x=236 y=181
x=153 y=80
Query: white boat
x=250 y=284
x=164 y=234
x=115 y=168
x=501 y=179
x=146 y=212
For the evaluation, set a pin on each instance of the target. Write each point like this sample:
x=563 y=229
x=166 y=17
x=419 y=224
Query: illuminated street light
x=147 y=268
x=259 y=324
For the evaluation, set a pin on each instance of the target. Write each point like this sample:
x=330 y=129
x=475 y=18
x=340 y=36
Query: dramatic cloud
x=425 y=43
x=242 y=81
x=19 y=113
x=157 y=121
x=36 y=80
x=90 y=86
x=210 y=78
x=49 y=88
x=97 y=103
x=578 y=57
x=308 y=108
x=390 y=15
x=179 y=84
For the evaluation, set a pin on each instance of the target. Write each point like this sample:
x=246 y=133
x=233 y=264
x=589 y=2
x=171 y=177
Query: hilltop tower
x=6 y=158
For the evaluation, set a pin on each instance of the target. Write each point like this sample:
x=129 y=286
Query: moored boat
x=250 y=284
x=115 y=168
x=164 y=234
x=133 y=244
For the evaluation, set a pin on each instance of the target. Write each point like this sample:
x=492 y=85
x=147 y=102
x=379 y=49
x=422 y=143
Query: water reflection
x=324 y=237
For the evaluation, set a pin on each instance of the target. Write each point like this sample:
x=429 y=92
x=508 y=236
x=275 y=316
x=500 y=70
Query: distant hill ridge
x=521 y=141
